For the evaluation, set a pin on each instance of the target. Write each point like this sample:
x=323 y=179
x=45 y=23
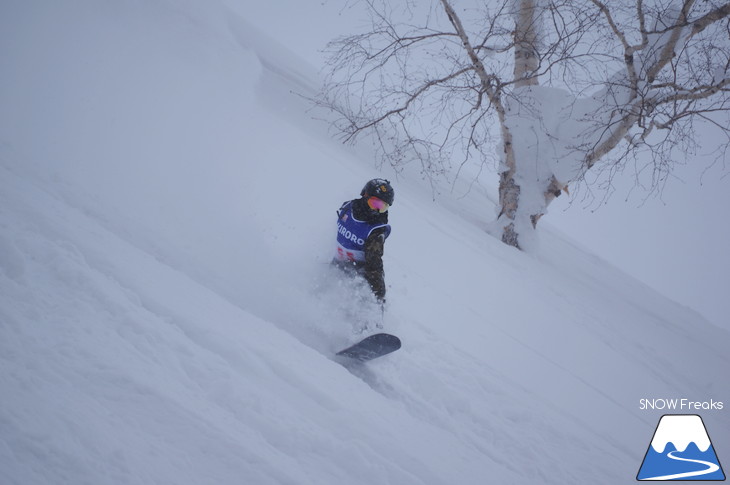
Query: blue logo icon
x=681 y=450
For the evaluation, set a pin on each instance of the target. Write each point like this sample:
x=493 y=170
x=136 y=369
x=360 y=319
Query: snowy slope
x=167 y=314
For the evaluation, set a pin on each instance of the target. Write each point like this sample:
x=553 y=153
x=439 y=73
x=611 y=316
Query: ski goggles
x=377 y=205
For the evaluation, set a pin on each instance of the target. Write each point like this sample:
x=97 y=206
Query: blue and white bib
x=352 y=234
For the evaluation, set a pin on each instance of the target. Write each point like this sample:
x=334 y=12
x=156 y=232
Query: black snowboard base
x=372 y=347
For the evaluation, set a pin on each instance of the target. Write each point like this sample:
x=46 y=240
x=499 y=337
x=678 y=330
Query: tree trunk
x=526 y=64
x=525 y=37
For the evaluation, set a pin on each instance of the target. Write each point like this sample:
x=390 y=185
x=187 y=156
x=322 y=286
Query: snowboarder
x=362 y=228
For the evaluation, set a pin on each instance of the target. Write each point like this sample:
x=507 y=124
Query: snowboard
x=372 y=347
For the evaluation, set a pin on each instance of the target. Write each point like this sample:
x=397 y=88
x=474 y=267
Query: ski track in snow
x=711 y=468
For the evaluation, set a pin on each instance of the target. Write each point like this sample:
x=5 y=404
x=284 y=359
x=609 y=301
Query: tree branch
x=396 y=111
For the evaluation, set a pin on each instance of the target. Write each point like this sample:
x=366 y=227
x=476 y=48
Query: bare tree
x=549 y=89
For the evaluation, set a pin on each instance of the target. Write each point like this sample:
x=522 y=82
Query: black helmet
x=379 y=188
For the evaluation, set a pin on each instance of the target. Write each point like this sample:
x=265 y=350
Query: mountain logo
x=681 y=450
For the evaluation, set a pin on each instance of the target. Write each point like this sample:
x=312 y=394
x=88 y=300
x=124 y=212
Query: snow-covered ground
x=168 y=316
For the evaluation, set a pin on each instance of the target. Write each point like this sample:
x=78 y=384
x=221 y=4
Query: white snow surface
x=168 y=315
x=681 y=430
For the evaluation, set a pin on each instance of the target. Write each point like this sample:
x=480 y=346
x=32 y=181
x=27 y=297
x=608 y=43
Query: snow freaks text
x=680 y=404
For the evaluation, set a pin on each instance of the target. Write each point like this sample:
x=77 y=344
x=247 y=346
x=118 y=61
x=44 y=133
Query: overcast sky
x=677 y=244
